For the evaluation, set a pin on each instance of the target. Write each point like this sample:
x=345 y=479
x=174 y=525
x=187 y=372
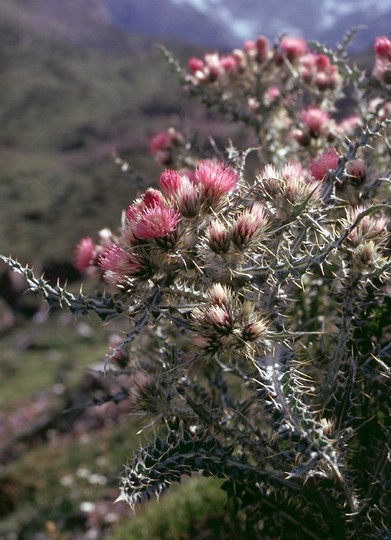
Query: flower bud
x=219 y=238
x=249 y=226
x=254 y=330
x=219 y=294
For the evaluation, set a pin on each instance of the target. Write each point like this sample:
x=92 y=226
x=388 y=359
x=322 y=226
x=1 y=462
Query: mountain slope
x=68 y=98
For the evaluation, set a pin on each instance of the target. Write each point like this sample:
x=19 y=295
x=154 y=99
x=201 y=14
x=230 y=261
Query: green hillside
x=65 y=105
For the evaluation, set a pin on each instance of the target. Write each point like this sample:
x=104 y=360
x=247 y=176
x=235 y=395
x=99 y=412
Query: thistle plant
x=258 y=302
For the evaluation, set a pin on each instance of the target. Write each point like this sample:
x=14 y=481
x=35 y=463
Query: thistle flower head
x=320 y=166
x=219 y=238
x=85 y=254
x=357 y=169
x=162 y=144
x=255 y=330
x=382 y=47
x=151 y=198
x=368 y=228
x=262 y=49
x=316 y=120
x=156 y=222
x=249 y=226
x=118 y=265
x=293 y=47
x=213 y=320
x=170 y=182
x=215 y=180
x=195 y=64
x=220 y=295
x=228 y=63
x=269 y=179
x=188 y=198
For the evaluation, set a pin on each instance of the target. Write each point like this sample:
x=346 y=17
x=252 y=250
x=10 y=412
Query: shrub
x=259 y=301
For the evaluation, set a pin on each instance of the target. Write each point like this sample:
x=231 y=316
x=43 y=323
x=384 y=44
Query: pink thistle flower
x=156 y=222
x=249 y=47
x=317 y=69
x=348 y=125
x=171 y=182
x=316 y=120
x=262 y=48
x=297 y=186
x=215 y=179
x=195 y=64
x=240 y=58
x=133 y=211
x=118 y=265
x=151 y=198
x=85 y=254
x=293 y=47
x=161 y=145
x=229 y=63
x=383 y=47
x=183 y=191
x=320 y=166
x=322 y=62
x=269 y=179
x=203 y=342
x=214 y=69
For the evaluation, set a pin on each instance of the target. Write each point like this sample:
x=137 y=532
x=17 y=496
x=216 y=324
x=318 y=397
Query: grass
x=37 y=356
x=51 y=482
x=196 y=510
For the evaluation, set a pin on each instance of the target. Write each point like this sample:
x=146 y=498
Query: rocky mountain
x=229 y=22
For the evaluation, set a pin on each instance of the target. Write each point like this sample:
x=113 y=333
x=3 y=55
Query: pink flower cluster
x=152 y=223
x=205 y=187
x=212 y=67
x=315 y=123
x=314 y=68
x=382 y=67
x=215 y=67
x=163 y=144
x=317 y=69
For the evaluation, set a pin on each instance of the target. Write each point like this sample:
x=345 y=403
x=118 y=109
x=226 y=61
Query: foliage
x=259 y=303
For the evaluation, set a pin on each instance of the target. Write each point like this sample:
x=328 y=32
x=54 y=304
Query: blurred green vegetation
x=197 y=510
